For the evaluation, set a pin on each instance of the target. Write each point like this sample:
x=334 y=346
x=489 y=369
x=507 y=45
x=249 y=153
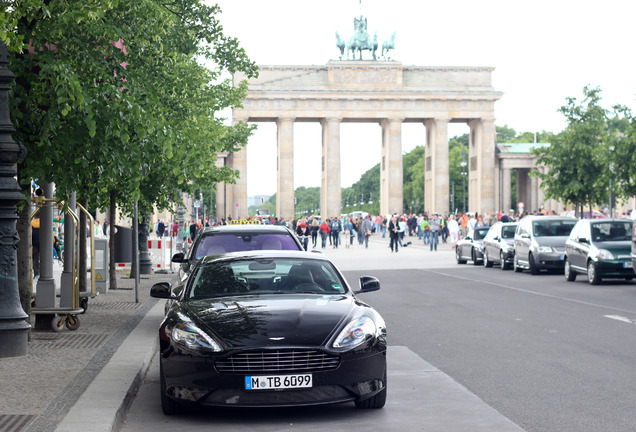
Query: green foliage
x=114 y=96
x=622 y=160
x=578 y=157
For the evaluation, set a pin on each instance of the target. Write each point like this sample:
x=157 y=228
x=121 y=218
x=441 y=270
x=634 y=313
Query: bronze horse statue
x=361 y=41
x=388 y=45
x=341 y=44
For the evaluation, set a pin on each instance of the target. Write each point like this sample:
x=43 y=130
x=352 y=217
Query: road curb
x=105 y=402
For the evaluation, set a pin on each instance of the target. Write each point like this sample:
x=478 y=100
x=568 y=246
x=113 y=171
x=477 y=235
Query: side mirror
x=368 y=284
x=162 y=290
x=497 y=238
x=179 y=258
x=584 y=240
x=525 y=235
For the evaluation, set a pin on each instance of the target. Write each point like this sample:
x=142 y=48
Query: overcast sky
x=543 y=52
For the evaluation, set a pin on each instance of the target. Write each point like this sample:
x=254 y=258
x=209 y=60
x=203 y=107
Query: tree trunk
x=112 y=210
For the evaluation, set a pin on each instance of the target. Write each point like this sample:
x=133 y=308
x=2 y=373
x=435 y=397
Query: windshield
x=236 y=242
x=265 y=276
x=508 y=232
x=479 y=234
x=611 y=231
x=552 y=228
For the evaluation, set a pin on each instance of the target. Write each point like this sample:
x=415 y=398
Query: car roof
x=250 y=228
x=264 y=254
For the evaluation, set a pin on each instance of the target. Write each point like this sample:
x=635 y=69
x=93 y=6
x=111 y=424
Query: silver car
x=540 y=243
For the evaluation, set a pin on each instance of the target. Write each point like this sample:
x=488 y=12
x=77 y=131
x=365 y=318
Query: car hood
x=617 y=248
x=272 y=320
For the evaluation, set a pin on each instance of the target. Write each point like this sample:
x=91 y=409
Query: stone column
x=330 y=193
x=522 y=189
x=285 y=171
x=436 y=177
x=481 y=173
x=391 y=174
x=239 y=189
x=14 y=329
x=534 y=194
x=507 y=190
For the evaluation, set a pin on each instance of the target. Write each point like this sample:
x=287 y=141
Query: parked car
x=601 y=249
x=499 y=245
x=540 y=242
x=235 y=238
x=634 y=245
x=469 y=248
x=270 y=328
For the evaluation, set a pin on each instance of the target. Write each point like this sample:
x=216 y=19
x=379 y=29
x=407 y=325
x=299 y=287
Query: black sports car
x=265 y=328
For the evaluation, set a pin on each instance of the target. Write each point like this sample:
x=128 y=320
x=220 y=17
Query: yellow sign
x=98 y=277
x=245 y=222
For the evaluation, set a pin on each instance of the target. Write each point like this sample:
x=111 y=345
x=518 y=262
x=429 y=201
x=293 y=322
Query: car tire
x=458 y=256
x=502 y=262
x=473 y=256
x=570 y=275
x=592 y=275
x=487 y=262
x=515 y=266
x=533 y=266
x=374 y=402
x=169 y=406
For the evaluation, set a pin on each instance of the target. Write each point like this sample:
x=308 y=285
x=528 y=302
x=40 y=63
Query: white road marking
x=620 y=318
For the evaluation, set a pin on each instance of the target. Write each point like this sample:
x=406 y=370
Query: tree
x=577 y=159
x=622 y=160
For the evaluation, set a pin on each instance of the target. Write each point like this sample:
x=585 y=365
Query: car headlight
x=544 y=249
x=604 y=254
x=191 y=337
x=355 y=333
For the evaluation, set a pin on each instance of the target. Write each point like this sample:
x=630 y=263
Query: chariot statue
x=361 y=40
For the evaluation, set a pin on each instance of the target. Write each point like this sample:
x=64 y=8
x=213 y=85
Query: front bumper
x=196 y=380
x=550 y=260
x=615 y=268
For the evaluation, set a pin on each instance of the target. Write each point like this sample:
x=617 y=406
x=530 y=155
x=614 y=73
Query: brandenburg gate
x=384 y=92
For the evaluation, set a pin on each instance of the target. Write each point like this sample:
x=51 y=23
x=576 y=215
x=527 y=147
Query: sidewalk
x=39 y=390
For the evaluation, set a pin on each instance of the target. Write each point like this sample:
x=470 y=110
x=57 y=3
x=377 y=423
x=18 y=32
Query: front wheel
x=515 y=266
x=487 y=262
x=473 y=256
x=570 y=275
x=592 y=275
x=533 y=266
x=169 y=406
x=458 y=256
x=502 y=261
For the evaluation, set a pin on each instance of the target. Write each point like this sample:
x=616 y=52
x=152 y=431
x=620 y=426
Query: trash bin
x=123 y=244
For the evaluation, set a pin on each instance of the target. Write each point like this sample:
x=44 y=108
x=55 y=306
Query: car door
x=490 y=243
x=580 y=247
x=522 y=241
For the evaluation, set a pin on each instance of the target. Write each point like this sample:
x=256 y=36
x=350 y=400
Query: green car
x=601 y=249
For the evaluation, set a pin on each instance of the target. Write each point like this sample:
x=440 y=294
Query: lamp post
x=14 y=329
x=463 y=165
x=611 y=197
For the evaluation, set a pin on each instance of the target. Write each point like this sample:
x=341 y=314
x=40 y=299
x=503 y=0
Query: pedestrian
x=161 y=228
x=393 y=234
x=434 y=231
x=193 y=230
x=35 y=245
x=359 y=231
x=453 y=230
x=324 y=232
x=401 y=228
x=367 y=227
x=348 y=233
x=303 y=232
x=336 y=227
x=315 y=226
x=425 y=226
x=444 y=228
x=378 y=224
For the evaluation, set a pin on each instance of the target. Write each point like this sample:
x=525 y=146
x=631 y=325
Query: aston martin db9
x=270 y=328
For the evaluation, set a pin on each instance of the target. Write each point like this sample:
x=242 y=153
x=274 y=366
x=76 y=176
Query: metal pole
x=14 y=329
x=136 y=250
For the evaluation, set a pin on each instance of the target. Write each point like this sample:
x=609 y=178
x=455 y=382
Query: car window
x=584 y=231
x=265 y=276
x=552 y=228
x=611 y=231
x=234 y=242
x=479 y=234
x=508 y=231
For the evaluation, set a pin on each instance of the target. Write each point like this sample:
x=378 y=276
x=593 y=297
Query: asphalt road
x=546 y=354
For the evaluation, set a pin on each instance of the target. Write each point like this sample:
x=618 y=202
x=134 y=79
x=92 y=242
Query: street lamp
x=611 y=166
x=463 y=165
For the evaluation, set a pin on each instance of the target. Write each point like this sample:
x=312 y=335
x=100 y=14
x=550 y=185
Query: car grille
x=277 y=361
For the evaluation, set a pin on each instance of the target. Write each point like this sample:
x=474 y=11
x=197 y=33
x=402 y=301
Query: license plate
x=561 y=257
x=274 y=382
x=628 y=264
